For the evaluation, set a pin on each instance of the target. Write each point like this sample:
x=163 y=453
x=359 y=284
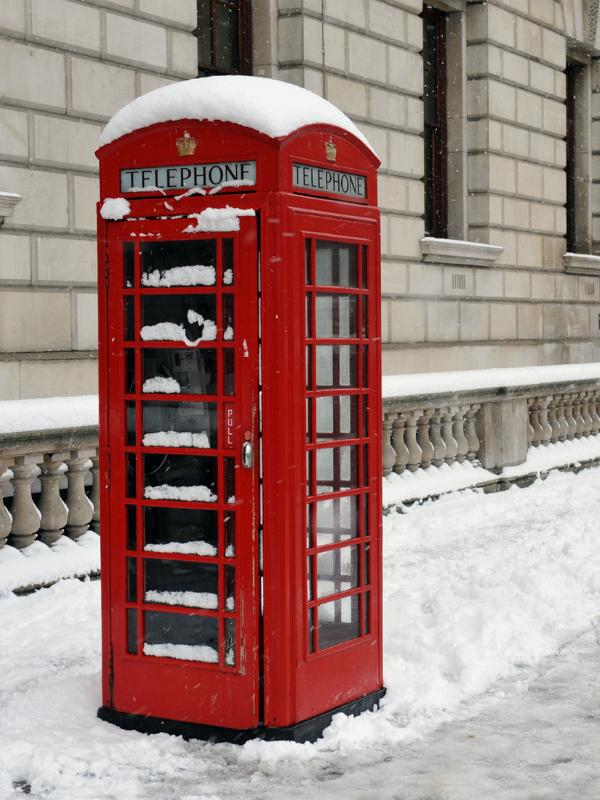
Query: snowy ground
x=492 y=667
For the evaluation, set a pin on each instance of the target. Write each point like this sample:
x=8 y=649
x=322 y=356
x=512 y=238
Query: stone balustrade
x=48 y=485
x=490 y=418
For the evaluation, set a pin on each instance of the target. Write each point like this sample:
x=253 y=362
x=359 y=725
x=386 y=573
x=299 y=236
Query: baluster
x=595 y=411
x=80 y=508
x=5 y=517
x=402 y=454
x=545 y=427
x=423 y=438
x=535 y=429
x=561 y=418
x=412 y=444
x=577 y=416
x=439 y=448
x=53 y=510
x=462 y=445
x=95 y=493
x=449 y=440
x=25 y=514
x=471 y=434
x=389 y=454
x=553 y=421
x=570 y=419
x=585 y=413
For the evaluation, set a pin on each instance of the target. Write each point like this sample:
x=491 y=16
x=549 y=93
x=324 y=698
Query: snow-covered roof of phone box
x=271 y=107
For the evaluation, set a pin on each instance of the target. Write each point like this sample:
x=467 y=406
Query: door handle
x=247 y=454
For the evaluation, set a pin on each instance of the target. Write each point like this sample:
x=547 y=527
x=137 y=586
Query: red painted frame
x=296 y=684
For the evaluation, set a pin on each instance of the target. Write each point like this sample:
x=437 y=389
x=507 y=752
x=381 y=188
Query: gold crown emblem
x=186 y=144
x=330 y=150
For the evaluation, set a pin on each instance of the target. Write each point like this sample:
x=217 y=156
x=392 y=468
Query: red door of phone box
x=240 y=417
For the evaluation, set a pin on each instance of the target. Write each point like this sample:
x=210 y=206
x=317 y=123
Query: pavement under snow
x=492 y=668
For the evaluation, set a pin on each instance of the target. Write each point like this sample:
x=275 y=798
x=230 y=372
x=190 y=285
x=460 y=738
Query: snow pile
x=200 y=494
x=115 y=208
x=237 y=184
x=265 y=105
x=176 y=439
x=174 y=332
x=559 y=454
x=433 y=481
x=218 y=219
x=40 y=564
x=186 y=652
x=191 y=275
x=161 y=385
x=48 y=413
x=426 y=383
x=199 y=548
x=191 y=599
x=228 y=277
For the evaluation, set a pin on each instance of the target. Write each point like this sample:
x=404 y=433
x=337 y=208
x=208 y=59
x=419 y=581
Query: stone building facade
x=499 y=288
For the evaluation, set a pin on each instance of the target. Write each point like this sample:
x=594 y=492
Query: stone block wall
x=524 y=309
x=65 y=67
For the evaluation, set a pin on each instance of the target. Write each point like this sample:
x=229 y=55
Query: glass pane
x=129 y=318
x=131 y=423
x=228 y=371
x=307 y=253
x=181 y=530
x=338 y=621
x=337 y=571
x=227 y=48
x=181 y=583
x=228 y=322
x=366 y=579
x=179 y=318
x=365 y=318
x=337 y=417
x=337 y=469
x=229 y=474
x=172 y=371
x=203 y=33
x=179 y=424
x=309 y=577
x=131 y=475
x=336 y=264
x=230 y=642
x=309 y=375
x=186 y=263
x=230 y=588
x=182 y=636
x=130 y=371
x=229 y=535
x=336 y=366
x=337 y=520
x=131 y=527
x=309 y=431
x=191 y=478
x=311 y=630
x=227 y=258
x=132 y=636
x=337 y=316
x=128 y=265
x=131 y=580
x=366 y=610
x=308 y=314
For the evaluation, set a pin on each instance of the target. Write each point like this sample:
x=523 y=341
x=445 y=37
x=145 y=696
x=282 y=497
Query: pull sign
x=192 y=176
x=229 y=426
x=329 y=181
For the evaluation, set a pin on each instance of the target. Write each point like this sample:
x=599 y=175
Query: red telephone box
x=240 y=426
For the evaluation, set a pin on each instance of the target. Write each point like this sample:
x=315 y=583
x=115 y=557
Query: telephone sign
x=240 y=430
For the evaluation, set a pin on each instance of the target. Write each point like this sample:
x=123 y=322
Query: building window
x=435 y=121
x=578 y=168
x=224 y=37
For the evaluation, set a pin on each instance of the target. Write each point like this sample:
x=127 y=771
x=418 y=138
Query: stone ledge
x=459 y=253
x=8 y=201
x=581 y=264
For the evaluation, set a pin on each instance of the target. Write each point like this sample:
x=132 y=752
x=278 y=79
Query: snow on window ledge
x=459 y=252
x=581 y=264
x=8 y=202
